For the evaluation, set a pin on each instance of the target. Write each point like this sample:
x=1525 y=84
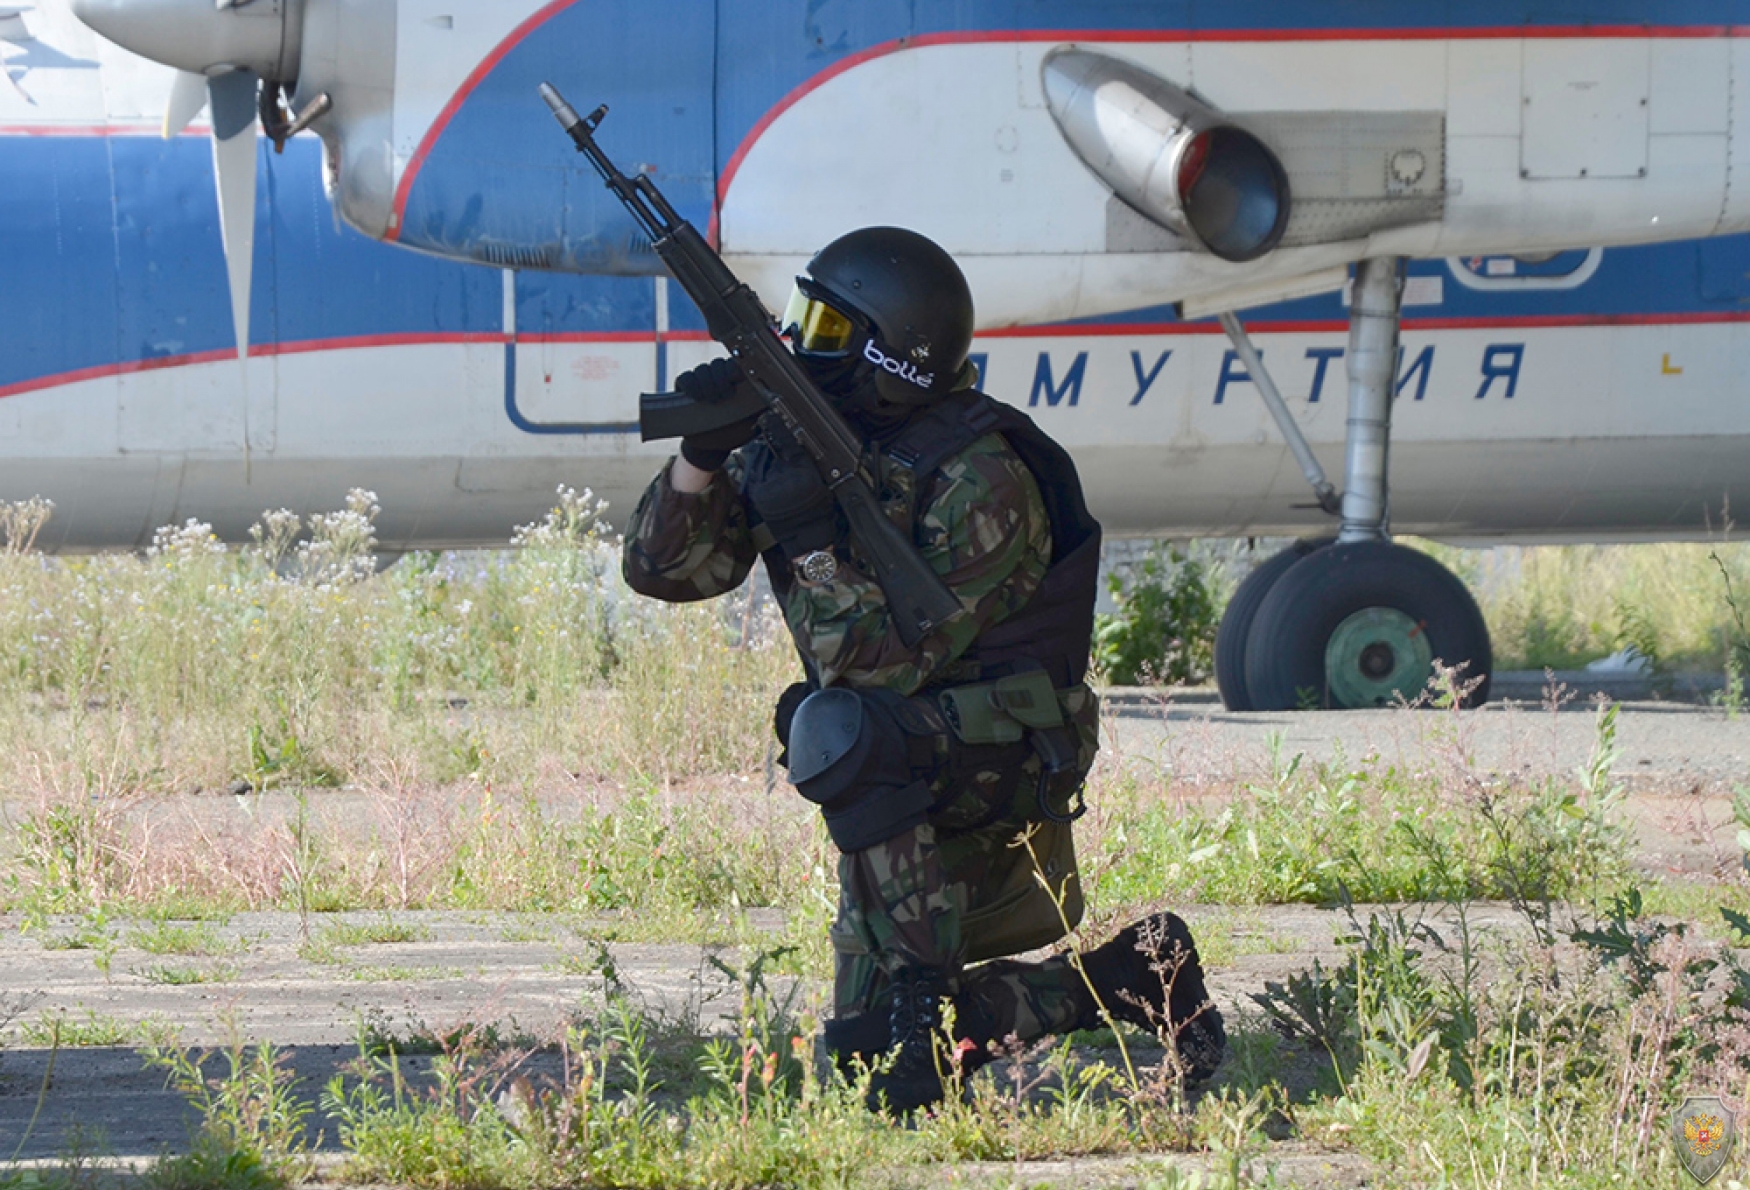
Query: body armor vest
x=1001 y=700
x=1054 y=628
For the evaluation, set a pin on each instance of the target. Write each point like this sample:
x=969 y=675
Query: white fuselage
x=1597 y=397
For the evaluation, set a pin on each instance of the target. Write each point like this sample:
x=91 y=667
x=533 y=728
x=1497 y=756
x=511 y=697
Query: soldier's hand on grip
x=714 y=383
x=786 y=490
x=711 y=383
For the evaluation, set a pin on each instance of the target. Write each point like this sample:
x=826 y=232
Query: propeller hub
x=263 y=36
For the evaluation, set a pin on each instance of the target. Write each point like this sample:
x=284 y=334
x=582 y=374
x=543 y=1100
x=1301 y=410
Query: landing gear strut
x=1359 y=621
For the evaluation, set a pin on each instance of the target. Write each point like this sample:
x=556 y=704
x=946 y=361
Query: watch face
x=818 y=567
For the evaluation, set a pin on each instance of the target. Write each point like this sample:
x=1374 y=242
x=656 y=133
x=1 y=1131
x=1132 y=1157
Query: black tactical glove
x=785 y=488
x=710 y=384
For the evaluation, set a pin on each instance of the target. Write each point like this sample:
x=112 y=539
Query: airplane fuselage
x=1593 y=394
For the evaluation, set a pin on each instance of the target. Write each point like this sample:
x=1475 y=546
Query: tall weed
x=753 y=1108
x=1523 y=1065
x=278 y=662
x=1163 y=628
x=1559 y=607
x=254 y=1124
x=1368 y=831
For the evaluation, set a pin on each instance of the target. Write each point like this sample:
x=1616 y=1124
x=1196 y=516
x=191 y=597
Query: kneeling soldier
x=927 y=760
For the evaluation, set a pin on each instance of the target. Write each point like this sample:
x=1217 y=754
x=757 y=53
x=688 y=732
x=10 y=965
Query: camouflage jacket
x=980 y=523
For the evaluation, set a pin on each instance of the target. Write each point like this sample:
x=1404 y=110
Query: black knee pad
x=851 y=756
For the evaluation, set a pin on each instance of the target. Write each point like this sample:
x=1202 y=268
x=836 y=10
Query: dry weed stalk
x=20 y=523
x=417 y=821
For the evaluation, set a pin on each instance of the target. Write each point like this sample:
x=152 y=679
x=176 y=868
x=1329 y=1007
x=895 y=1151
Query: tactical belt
x=1022 y=706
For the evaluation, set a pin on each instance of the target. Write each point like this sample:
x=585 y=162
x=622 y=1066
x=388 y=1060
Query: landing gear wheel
x=1359 y=625
x=1236 y=621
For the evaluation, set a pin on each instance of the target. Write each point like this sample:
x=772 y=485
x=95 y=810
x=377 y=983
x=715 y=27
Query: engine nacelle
x=1169 y=155
x=438 y=141
x=349 y=54
x=198 y=36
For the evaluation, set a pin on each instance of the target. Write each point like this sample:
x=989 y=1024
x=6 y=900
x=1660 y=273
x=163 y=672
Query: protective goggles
x=814 y=324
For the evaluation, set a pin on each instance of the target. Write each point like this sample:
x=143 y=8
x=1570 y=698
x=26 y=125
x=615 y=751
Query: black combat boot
x=1149 y=976
x=856 y=1043
x=913 y=1080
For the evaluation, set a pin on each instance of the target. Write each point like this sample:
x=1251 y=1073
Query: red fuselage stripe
x=256 y=351
x=1140 y=330
x=1322 y=326
x=499 y=52
x=976 y=37
x=475 y=77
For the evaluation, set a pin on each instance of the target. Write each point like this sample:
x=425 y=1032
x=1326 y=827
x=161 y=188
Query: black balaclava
x=849 y=383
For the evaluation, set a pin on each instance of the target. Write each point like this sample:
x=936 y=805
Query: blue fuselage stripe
x=112 y=249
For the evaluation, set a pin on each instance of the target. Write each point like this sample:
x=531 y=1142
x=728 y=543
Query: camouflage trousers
x=980 y=880
x=942 y=900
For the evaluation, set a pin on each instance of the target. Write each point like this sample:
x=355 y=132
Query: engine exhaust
x=1172 y=157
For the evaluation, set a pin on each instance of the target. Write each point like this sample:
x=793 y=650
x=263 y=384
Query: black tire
x=1236 y=621
x=1415 y=601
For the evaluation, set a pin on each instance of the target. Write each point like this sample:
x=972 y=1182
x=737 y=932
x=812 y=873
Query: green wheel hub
x=1375 y=655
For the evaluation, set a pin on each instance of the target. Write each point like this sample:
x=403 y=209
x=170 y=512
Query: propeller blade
x=13 y=31
x=12 y=26
x=188 y=94
x=233 y=100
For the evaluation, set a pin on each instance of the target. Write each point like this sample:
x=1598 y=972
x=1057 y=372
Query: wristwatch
x=818 y=567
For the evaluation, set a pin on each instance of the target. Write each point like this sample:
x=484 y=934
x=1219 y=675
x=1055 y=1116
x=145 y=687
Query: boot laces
x=917 y=1007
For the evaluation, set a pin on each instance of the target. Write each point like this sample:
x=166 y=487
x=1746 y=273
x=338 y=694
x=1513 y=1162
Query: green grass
x=1556 y=607
x=519 y=734
x=653 y=865
x=185 y=974
x=252 y=1134
x=1514 y=1063
x=63 y=1029
x=378 y=1036
x=289 y=665
x=88 y=1030
x=1436 y=1058
x=325 y=946
x=530 y=931
x=655 y=1101
x=191 y=939
x=93 y=931
x=1560 y=607
x=372 y=973
x=1223 y=938
x=1320 y=833
x=381 y=932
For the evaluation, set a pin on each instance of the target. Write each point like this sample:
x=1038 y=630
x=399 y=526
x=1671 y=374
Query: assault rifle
x=735 y=318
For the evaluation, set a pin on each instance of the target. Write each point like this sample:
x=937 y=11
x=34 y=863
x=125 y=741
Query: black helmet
x=906 y=307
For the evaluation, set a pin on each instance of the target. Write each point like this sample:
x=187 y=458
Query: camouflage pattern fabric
x=904 y=902
x=982 y=526
x=948 y=892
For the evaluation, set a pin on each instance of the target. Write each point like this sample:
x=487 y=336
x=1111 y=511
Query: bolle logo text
x=900 y=368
